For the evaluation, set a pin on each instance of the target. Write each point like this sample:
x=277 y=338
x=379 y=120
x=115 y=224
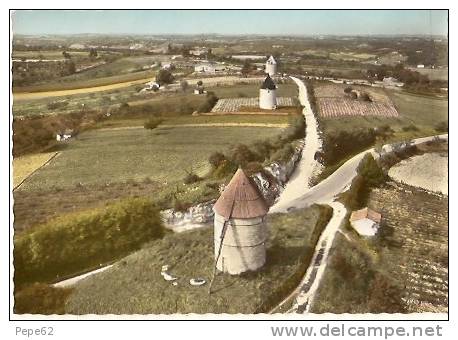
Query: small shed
x=64 y=135
x=366 y=221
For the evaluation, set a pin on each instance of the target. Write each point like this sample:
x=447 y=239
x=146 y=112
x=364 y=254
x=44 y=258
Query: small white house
x=366 y=221
x=64 y=136
x=167 y=66
x=390 y=81
x=209 y=68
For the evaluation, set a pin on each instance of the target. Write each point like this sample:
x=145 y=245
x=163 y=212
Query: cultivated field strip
x=333 y=102
x=336 y=107
x=234 y=104
x=417 y=252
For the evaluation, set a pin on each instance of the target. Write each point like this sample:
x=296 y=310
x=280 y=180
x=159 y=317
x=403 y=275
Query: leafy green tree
x=164 y=77
x=93 y=53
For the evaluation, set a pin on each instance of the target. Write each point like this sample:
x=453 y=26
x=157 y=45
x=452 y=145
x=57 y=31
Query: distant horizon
x=231 y=22
x=232 y=35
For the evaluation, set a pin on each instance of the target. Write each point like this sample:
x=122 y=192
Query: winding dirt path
x=300 y=179
x=325 y=193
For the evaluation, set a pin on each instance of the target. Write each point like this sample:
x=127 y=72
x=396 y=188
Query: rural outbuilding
x=240 y=232
x=365 y=221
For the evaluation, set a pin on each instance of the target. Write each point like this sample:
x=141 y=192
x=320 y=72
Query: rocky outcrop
x=270 y=182
x=194 y=217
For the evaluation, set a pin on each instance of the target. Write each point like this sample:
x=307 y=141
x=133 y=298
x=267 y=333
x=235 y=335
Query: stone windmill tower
x=268 y=94
x=271 y=66
x=240 y=232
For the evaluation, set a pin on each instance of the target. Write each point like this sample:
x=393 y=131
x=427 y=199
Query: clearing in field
x=334 y=102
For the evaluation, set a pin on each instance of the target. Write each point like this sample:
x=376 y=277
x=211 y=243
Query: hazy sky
x=342 y=22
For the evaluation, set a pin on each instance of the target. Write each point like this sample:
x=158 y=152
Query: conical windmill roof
x=271 y=60
x=241 y=199
x=268 y=84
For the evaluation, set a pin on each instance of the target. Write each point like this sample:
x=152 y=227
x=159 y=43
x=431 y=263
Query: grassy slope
x=99 y=157
x=134 y=285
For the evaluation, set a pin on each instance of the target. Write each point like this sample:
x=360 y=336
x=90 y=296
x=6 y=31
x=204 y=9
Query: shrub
x=210 y=101
x=225 y=169
x=365 y=97
x=337 y=146
x=57 y=105
x=410 y=127
x=184 y=85
x=152 y=123
x=252 y=168
x=124 y=108
x=369 y=175
x=441 y=127
x=348 y=89
x=216 y=159
x=241 y=154
x=164 y=77
x=284 y=154
x=370 y=170
x=191 y=178
x=263 y=148
x=41 y=298
x=82 y=241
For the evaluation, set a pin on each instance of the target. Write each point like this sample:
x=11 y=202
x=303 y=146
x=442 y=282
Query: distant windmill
x=240 y=232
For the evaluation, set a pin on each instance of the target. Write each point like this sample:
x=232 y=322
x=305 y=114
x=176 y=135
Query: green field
x=181 y=120
x=86 y=82
x=52 y=54
x=164 y=154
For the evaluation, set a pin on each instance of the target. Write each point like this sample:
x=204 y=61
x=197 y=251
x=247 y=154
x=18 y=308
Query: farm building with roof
x=365 y=221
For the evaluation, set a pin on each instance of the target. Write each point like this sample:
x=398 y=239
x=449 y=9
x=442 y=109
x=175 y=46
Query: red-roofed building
x=365 y=221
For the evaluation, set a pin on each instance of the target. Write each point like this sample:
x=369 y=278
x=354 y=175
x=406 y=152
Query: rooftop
x=271 y=60
x=241 y=199
x=268 y=84
x=365 y=213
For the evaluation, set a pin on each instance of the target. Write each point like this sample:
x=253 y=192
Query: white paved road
x=300 y=179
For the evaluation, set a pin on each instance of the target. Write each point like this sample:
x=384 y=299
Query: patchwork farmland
x=334 y=102
x=417 y=252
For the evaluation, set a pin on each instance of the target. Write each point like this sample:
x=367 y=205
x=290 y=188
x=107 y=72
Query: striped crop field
x=334 y=102
x=234 y=104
